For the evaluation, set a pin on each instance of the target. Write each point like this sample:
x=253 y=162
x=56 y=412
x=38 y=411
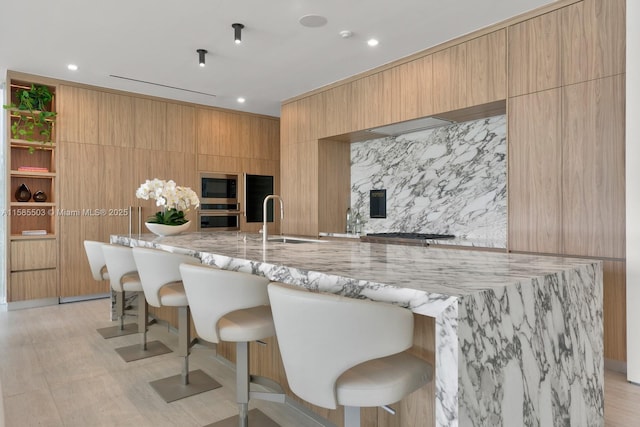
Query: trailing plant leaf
x=31 y=115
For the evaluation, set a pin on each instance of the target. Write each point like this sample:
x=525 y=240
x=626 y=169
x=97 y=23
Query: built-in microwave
x=218 y=190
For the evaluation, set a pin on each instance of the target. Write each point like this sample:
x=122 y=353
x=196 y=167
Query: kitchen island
x=517 y=338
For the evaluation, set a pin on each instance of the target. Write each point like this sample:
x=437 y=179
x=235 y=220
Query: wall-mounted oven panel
x=219 y=188
x=218 y=221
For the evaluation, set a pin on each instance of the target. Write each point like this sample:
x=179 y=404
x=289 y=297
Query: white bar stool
x=343 y=351
x=100 y=272
x=123 y=275
x=162 y=285
x=234 y=307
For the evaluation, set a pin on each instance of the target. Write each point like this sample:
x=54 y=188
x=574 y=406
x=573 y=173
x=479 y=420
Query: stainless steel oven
x=218 y=220
x=219 y=207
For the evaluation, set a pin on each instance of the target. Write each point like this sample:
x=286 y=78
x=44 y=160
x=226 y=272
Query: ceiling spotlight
x=72 y=67
x=345 y=34
x=372 y=42
x=237 y=32
x=201 y=54
x=241 y=100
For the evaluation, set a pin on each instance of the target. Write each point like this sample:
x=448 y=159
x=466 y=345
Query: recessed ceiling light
x=313 y=21
x=72 y=67
x=372 y=42
x=241 y=100
x=345 y=34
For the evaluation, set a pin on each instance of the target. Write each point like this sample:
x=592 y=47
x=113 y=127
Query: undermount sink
x=286 y=239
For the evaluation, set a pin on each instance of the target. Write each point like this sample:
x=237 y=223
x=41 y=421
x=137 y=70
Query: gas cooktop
x=414 y=236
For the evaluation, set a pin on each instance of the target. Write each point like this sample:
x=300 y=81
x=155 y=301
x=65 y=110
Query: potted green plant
x=30 y=116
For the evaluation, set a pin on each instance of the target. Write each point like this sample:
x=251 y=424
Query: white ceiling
x=156 y=41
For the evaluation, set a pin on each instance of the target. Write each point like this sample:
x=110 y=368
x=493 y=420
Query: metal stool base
x=172 y=389
x=115 y=331
x=135 y=352
x=257 y=418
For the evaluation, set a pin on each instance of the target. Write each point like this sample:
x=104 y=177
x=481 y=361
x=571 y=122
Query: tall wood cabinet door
x=116 y=122
x=77 y=114
x=367 y=104
x=535 y=173
x=486 y=68
x=594 y=169
x=207 y=131
x=180 y=128
x=299 y=185
x=150 y=124
x=450 y=78
x=593 y=40
x=411 y=90
x=615 y=310
x=288 y=127
x=336 y=102
x=534 y=54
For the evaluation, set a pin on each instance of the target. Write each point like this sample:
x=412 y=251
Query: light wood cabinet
x=535 y=173
x=150 y=124
x=78 y=114
x=593 y=40
x=180 y=128
x=116 y=120
x=367 y=102
x=32 y=285
x=334 y=188
x=32 y=226
x=299 y=183
x=338 y=119
x=615 y=310
x=593 y=168
x=486 y=69
x=534 y=54
x=450 y=78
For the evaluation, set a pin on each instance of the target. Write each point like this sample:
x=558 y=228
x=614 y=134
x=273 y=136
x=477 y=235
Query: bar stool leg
x=184 y=340
x=121 y=329
x=242 y=382
x=187 y=383
x=351 y=416
x=144 y=349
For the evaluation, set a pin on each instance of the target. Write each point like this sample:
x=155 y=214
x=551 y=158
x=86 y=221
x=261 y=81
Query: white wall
x=633 y=190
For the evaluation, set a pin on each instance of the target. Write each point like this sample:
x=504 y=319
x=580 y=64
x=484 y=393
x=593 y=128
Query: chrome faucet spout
x=264 y=214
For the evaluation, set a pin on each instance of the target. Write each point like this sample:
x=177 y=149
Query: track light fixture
x=201 y=54
x=237 y=33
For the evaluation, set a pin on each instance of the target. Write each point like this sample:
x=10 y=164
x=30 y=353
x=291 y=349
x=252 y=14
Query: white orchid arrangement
x=174 y=200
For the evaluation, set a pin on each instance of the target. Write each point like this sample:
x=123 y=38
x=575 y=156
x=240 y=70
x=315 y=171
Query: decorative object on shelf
x=174 y=200
x=30 y=114
x=39 y=196
x=23 y=194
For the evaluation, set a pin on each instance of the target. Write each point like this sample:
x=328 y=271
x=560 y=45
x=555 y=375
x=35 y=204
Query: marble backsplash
x=450 y=180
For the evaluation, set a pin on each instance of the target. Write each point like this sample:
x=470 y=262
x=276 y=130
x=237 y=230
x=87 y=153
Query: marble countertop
x=448 y=272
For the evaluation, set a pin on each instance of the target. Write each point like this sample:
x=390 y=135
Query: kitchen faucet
x=264 y=214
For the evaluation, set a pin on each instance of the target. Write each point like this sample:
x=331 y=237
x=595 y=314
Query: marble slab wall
x=449 y=180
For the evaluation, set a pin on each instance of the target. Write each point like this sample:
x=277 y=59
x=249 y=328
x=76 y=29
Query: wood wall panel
x=594 y=163
x=116 y=121
x=288 y=126
x=486 y=69
x=534 y=54
x=180 y=128
x=300 y=190
x=334 y=185
x=207 y=131
x=593 y=40
x=78 y=113
x=615 y=310
x=150 y=124
x=535 y=173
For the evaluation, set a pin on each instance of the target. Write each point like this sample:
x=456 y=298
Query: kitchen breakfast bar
x=516 y=340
